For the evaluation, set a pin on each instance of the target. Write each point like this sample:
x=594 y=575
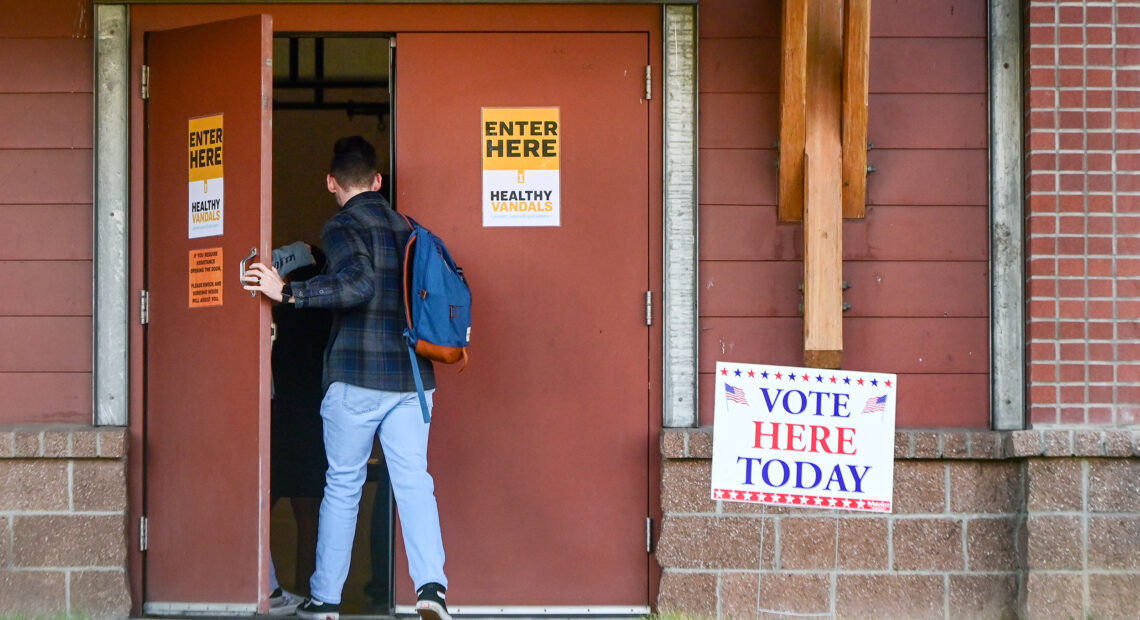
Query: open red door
x=207 y=340
x=540 y=448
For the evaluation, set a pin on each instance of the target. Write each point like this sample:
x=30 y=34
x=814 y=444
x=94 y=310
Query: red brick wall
x=45 y=211
x=1083 y=212
x=917 y=264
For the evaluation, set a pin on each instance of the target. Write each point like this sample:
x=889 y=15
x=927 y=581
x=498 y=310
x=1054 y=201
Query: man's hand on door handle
x=265 y=280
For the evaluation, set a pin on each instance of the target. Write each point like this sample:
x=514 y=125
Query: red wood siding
x=48 y=19
x=917 y=263
x=742 y=232
x=51 y=176
x=927 y=121
x=45 y=120
x=45 y=232
x=45 y=211
x=885 y=290
x=46 y=66
x=928 y=65
x=49 y=397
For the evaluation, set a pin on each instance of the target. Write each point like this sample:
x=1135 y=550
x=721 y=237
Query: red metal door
x=540 y=449
x=207 y=340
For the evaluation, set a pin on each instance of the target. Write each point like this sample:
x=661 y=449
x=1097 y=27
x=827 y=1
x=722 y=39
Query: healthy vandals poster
x=804 y=437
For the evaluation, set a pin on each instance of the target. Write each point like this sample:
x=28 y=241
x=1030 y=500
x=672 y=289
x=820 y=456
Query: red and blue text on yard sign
x=804 y=437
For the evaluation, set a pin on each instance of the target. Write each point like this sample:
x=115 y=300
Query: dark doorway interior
x=326 y=87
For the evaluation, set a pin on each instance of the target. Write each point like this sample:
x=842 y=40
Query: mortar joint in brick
x=981 y=445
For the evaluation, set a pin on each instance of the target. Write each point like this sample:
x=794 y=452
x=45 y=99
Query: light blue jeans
x=352 y=416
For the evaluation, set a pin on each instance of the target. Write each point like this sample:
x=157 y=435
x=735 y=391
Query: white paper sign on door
x=207 y=177
x=521 y=158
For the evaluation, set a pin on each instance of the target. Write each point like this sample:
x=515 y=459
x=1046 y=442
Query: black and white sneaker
x=283 y=602
x=432 y=604
x=312 y=609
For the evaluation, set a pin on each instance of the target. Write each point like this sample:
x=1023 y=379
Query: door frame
x=120 y=192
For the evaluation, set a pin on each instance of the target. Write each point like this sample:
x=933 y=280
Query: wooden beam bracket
x=823 y=152
x=796 y=91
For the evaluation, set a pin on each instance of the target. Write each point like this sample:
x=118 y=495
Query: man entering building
x=370 y=389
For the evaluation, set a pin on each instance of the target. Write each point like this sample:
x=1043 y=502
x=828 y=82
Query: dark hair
x=353 y=163
x=301 y=274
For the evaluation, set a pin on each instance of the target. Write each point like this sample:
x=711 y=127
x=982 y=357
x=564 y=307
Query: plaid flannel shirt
x=364 y=244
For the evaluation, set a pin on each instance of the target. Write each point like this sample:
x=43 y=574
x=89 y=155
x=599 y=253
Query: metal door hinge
x=142 y=533
x=649 y=307
x=649 y=534
x=144 y=307
x=648 y=82
x=145 y=79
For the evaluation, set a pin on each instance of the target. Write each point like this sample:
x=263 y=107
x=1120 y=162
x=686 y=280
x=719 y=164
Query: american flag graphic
x=736 y=394
x=875 y=404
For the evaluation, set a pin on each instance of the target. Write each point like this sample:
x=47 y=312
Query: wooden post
x=823 y=195
x=793 y=110
x=856 y=56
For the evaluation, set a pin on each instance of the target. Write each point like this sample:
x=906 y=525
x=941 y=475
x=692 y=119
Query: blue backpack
x=437 y=304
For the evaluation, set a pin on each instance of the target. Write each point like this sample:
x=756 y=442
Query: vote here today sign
x=804 y=437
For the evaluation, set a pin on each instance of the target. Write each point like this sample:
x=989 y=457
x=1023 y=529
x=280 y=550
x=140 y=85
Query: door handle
x=241 y=267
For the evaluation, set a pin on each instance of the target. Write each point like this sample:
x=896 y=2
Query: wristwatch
x=286 y=292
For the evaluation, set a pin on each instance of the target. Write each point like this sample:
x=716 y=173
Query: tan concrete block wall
x=1083 y=537
x=63 y=542
x=985 y=525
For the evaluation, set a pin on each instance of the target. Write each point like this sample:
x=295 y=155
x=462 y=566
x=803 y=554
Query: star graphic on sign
x=807 y=378
x=866 y=506
x=738 y=372
x=778 y=376
x=846 y=380
x=765 y=374
x=833 y=379
x=819 y=378
x=751 y=374
x=724 y=371
x=791 y=376
x=887 y=383
x=875 y=382
x=860 y=381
